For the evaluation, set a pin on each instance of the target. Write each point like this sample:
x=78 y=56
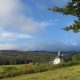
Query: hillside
x=69 y=73
x=8 y=57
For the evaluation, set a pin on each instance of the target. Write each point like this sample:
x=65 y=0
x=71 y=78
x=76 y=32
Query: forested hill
x=27 y=53
x=22 y=57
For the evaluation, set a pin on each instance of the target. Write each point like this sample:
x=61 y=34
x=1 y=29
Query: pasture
x=68 y=73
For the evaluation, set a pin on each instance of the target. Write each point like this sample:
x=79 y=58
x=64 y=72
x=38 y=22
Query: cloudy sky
x=28 y=25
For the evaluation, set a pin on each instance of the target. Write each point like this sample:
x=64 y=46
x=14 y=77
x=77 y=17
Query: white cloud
x=7 y=10
x=15 y=25
x=12 y=17
x=10 y=36
x=8 y=46
x=7 y=7
x=29 y=25
x=37 y=44
x=20 y=26
x=49 y=23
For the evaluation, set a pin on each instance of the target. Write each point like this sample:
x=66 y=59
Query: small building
x=59 y=58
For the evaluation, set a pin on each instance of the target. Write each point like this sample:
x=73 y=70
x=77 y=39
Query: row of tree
x=21 y=57
x=24 y=57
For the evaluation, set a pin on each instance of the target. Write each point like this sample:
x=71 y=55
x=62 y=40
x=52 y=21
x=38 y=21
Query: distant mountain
x=13 y=52
x=17 y=52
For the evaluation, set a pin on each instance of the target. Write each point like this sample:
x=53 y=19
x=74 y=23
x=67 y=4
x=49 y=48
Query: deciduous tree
x=72 y=8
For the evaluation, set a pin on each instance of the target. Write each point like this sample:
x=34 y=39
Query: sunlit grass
x=69 y=73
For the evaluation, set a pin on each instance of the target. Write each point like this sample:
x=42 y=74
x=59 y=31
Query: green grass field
x=68 y=73
x=17 y=66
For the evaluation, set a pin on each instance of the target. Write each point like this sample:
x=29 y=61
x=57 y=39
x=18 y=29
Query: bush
x=30 y=68
x=66 y=64
x=9 y=68
x=1 y=76
x=40 y=67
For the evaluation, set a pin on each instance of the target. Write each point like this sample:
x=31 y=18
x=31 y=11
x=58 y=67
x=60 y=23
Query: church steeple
x=59 y=58
x=59 y=54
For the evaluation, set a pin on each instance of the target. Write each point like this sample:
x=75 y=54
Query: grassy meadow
x=20 y=66
x=68 y=73
x=40 y=71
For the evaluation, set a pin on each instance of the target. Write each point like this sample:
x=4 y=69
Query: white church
x=58 y=59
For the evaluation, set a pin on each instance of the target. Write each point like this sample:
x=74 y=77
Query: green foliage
x=9 y=68
x=68 y=73
x=24 y=57
x=11 y=71
x=72 y=8
x=76 y=57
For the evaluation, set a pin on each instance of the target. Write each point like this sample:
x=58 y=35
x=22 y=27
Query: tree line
x=25 y=57
x=22 y=57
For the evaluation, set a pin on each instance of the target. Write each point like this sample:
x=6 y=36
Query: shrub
x=9 y=68
x=30 y=68
x=1 y=76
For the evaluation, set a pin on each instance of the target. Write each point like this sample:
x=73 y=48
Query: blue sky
x=29 y=25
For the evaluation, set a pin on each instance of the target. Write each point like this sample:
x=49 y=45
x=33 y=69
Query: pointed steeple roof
x=59 y=54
